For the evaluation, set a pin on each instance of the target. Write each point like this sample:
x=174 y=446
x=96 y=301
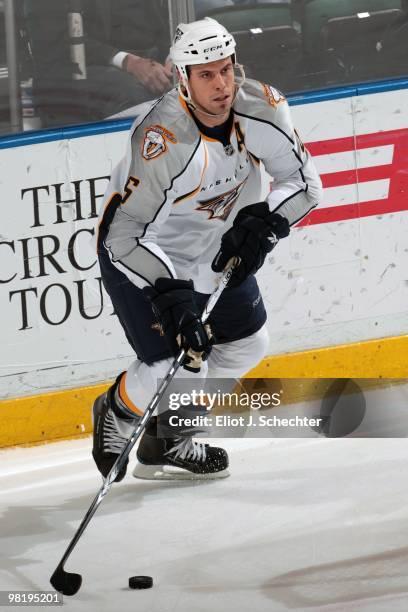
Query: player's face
x=212 y=86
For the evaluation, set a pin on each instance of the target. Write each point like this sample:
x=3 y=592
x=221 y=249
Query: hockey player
x=182 y=203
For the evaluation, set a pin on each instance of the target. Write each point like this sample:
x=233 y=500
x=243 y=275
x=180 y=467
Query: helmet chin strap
x=195 y=106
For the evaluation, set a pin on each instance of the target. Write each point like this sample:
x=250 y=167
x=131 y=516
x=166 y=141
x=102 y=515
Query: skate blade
x=171 y=472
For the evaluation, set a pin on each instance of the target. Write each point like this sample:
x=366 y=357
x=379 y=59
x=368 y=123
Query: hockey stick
x=69 y=583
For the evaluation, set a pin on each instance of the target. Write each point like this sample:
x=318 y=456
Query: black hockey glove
x=254 y=233
x=173 y=302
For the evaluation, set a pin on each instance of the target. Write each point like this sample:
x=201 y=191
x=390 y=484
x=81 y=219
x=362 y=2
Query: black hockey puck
x=140 y=582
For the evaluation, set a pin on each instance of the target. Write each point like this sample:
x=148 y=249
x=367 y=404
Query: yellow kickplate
x=48 y=417
x=66 y=414
x=383 y=358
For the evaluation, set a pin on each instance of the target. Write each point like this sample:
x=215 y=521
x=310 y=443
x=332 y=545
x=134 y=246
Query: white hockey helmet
x=200 y=42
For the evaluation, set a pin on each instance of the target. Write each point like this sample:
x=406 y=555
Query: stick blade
x=66 y=582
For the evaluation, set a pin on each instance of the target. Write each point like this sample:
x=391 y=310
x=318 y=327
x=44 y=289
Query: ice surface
x=301 y=524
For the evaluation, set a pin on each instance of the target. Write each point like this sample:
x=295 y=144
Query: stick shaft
x=137 y=432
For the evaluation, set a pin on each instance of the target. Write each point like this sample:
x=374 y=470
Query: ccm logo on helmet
x=212 y=48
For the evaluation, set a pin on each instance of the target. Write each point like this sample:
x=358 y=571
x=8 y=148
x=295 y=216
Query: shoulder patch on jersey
x=274 y=96
x=154 y=143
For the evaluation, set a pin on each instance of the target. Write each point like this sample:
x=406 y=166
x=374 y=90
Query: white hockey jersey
x=177 y=191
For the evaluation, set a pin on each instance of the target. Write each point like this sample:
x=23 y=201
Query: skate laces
x=188 y=448
x=113 y=441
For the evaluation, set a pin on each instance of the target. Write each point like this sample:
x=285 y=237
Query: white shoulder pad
x=162 y=141
x=261 y=101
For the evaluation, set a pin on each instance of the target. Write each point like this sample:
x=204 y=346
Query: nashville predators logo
x=274 y=96
x=158 y=327
x=221 y=206
x=154 y=143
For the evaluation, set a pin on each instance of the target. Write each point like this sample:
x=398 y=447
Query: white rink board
x=328 y=283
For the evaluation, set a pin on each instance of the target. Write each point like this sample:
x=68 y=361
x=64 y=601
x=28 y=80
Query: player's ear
x=182 y=84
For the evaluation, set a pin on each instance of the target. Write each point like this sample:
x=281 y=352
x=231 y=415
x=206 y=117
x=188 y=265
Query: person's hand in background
x=151 y=74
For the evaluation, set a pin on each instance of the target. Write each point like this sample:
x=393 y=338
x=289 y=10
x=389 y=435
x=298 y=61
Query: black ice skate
x=178 y=458
x=111 y=431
